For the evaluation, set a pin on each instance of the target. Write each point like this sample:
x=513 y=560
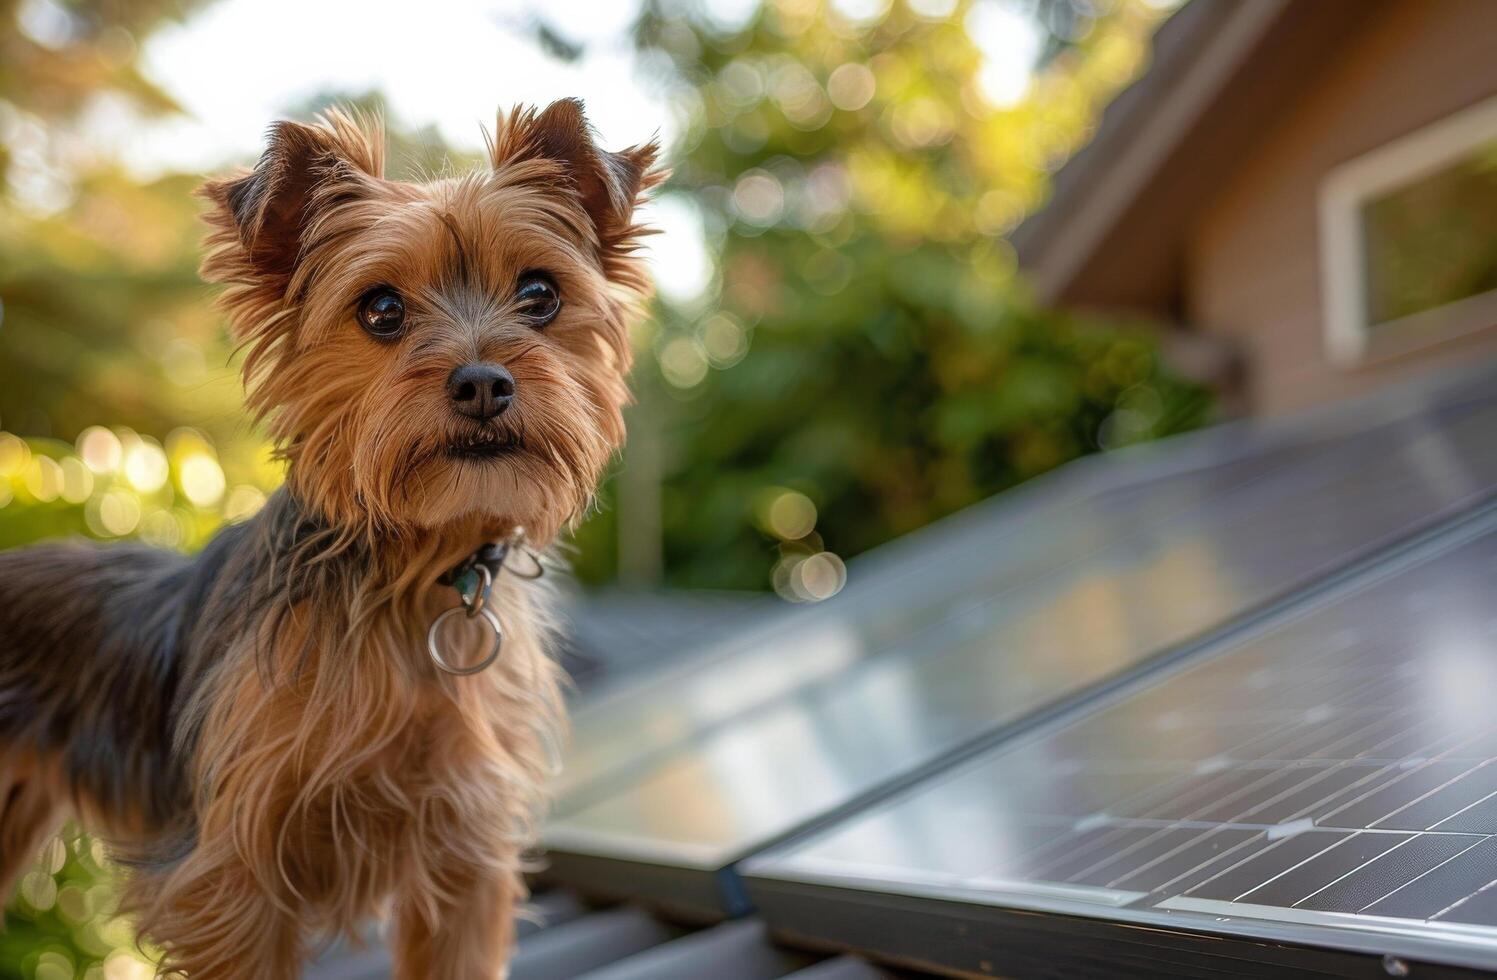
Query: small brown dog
x=277 y=735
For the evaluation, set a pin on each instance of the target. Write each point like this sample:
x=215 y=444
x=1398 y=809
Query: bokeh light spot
x=758 y=198
x=742 y=83
x=53 y=856
x=113 y=515
x=77 y=480
x=850 y=86
x=44 y=478
x=39 y=890
x=683 y=362
x=932 y=9
x=184 y=362
x=861 y=11
x=791 y=515
x=202 y=479
x=725 y=340
x=122 y=966
x=100 y=449
x=244 y=501
x=73 y=904
x=52 y=965
x=146 y=466
x=820 y=576
x=14 y=455
x=162 y=529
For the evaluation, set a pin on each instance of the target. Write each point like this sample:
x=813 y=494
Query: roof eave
x=1113 y=231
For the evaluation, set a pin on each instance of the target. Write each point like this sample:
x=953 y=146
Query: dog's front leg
x=473 y=935
x=215 y=920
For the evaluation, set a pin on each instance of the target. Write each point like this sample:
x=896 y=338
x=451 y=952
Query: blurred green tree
x=96 y=268
x=866 y=359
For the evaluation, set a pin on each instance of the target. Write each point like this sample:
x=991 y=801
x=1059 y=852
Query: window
x=1409 y=240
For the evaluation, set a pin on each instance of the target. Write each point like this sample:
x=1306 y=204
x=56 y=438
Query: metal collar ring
x=434 y=645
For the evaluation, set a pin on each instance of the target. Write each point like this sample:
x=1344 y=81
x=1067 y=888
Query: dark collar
x=491 y=556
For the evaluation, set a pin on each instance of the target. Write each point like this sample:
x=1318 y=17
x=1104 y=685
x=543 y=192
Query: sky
x=238 y=64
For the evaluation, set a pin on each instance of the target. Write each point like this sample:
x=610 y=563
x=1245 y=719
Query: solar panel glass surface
x=1335 y=775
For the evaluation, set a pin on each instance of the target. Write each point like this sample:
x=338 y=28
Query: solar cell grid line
x=1126 y=853
x=1360 y=887
x=1353 y=852
x=1463 y=811
x=1190 y=863
x=1322 y=823
x=1212 y=792
x=1299 y=824
x=1422 y=778
x=1200 y=820
x=1415 y=814
x=1408 y=899
x=1478 y=819
x=1279 y=857
x=1463 y=847
x=1479 y=907
x=1278 y=768
x=1241 y=817
x=1216 y=790
x=1241 y=896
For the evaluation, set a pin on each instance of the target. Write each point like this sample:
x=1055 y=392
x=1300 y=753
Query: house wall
x=1253 y=268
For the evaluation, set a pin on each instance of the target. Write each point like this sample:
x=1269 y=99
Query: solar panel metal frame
x=1019 y=929
x=947 y=935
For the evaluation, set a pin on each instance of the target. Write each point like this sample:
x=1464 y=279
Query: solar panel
x=1156 y=567
x=1330 y=781
x=803 y=644
x=1064 y=520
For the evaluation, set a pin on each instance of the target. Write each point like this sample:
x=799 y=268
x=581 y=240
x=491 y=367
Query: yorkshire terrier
x=314 y=722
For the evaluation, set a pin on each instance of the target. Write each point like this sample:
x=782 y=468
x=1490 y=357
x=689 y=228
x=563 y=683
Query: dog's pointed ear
x=303 y=167
x=609 y=184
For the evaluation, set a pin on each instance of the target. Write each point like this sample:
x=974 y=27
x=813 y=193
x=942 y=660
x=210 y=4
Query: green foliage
x=63 y=921
x=867 y=346
x=117 y=484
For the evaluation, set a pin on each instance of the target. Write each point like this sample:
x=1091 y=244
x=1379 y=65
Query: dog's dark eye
x=538 y=297
x=382 y=312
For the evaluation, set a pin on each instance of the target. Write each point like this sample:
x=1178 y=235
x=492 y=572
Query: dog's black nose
x=481 y=391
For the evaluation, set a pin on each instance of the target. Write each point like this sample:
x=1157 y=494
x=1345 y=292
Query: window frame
x=1351 y=340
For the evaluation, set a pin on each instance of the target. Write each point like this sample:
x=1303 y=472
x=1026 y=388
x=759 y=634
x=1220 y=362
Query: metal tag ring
x=434 y=648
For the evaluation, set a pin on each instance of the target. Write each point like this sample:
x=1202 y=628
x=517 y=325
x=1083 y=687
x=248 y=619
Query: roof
x=1114 y=230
